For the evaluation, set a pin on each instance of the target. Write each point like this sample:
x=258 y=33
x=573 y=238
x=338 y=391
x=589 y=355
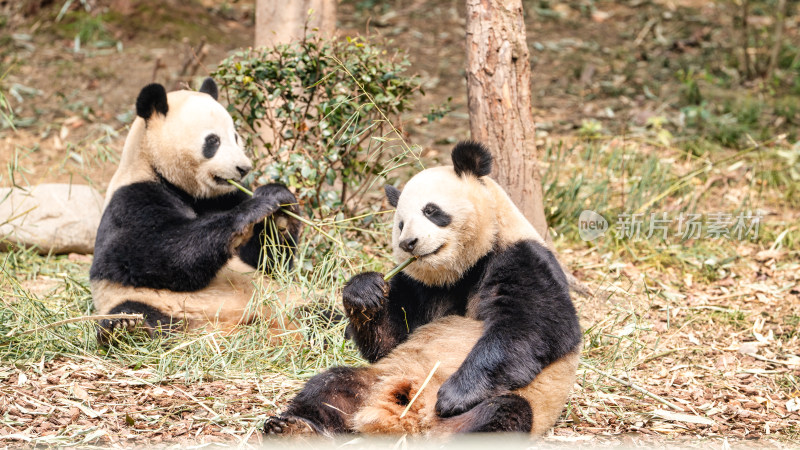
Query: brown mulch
x=726 y=353
x=68 y=401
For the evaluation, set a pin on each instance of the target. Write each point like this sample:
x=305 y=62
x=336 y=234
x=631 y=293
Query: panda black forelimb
x=194 y=243
x=268 y=249
x=406 y=306
x=501 y=361
x=526 y=292
x=529 y=322
x=371 y=328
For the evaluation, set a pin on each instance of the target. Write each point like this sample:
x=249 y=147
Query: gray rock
x=52 y=218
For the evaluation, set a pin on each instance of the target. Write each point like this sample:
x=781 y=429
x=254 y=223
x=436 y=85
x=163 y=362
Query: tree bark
x=499 y=96
x=283 y=21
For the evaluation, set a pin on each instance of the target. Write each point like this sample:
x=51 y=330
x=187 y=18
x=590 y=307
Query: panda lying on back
x=507 y=366
x=177 y=242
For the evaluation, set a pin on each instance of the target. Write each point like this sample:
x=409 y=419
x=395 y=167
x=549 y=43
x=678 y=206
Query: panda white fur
x=177 y=242
x=486 y=299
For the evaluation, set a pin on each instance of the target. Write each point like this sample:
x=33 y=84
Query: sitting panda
x=177 y=242
x=485 y=298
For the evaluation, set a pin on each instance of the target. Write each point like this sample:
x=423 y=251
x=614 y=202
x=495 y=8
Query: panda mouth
x=431 y=253
x=221 y=180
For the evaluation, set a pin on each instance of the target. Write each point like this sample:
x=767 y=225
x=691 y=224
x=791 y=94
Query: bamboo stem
x=425 y=383
x=291 y=214
x=241 y=188
x=78 y=319
x=399 y=268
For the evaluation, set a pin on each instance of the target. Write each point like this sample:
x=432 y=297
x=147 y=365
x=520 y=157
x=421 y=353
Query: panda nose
x=408 y=244
x=243 y=170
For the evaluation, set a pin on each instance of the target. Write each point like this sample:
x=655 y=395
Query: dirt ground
x=724 y=376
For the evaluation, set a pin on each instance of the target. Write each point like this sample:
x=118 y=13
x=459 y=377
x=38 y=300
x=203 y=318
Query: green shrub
x=330 y=105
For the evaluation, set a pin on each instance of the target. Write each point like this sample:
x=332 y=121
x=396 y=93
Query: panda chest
x=460 y=299
x=472 y=290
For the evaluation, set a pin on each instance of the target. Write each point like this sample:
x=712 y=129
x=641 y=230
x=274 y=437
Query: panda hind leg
x=325 y=404
x=153 y=321
x=503 y=413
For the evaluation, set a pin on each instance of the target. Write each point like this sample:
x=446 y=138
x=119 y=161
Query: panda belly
x=449 y=340
x=225 y=302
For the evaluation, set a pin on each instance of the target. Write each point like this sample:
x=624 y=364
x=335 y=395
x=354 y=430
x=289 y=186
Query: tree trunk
x=282 y=21
x=499 y=94
x=777 y=39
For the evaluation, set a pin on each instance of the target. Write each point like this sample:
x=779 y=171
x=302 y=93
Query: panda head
x=446 y=216
x=190 y=140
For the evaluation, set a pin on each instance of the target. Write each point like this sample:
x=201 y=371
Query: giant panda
x=485 y=298
x=177 y=242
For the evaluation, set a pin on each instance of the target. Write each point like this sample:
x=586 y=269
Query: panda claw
x=287 y=426
x=107 y=327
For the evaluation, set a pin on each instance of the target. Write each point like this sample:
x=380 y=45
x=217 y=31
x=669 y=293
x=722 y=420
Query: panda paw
x=107 y=327
x=287 y=426
x=454 y=398
x=153 y=322
x=265 y=202
x=364 y=293
x=277 y=194
x=240 y=237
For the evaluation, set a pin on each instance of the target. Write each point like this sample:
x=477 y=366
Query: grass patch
x=40 y=290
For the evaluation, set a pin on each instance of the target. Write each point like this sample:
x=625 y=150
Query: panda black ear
x=392 y=194
x=209 y=87
x=152 y=98
x=472 y=158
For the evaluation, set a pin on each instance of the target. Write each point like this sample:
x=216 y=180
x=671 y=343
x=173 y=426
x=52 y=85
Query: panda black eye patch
x=211 y=146
x=436 y=215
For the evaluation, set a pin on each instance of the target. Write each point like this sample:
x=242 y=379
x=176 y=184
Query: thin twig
x=634 y=386
x=241 y=188
x=773 y=361
x=659 y=355
x=777 y=39
x=645 y=30
x=13 y=218
x=78 y=319
x=746 y=39
x=383 y=116
x=195 y=399
x=419 y=391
